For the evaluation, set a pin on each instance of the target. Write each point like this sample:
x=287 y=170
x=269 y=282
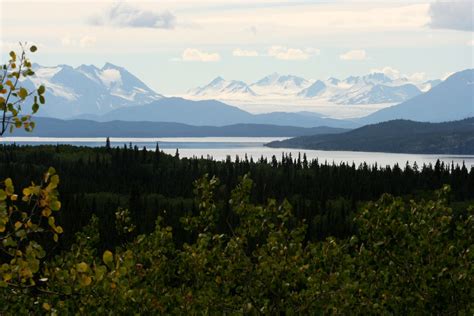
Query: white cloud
x=417 y=77
x=355 y=54
x=82 y=42
x=454 y=15
x=87 y=41
x=285 y=53
x=394 y=74
x=388 y=71
x=123 y=15
x=313 y=51
x=244 y=53
x=194 y=54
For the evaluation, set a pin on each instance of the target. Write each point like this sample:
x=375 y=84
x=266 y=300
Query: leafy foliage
x=13 y=94
x=22 y=222
x=406 y=258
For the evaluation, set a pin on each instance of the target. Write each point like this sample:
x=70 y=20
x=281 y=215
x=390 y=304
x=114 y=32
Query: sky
x=175 y=45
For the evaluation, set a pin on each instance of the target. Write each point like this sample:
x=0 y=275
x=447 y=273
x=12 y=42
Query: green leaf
x=35 y=108
x=33 y=48
x=41 y=89
x=23 y=93
x=55 y=205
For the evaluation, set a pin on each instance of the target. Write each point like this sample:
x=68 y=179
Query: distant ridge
x=50 y=127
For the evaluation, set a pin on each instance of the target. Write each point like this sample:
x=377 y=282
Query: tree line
x=151 y=184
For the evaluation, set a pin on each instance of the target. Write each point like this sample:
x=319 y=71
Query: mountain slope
x=88 y=89
x=50 y=127
x=375 y=94
x=397 y=136
x=452 y=99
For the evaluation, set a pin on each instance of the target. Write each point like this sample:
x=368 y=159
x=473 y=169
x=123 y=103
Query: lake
x=220 y=147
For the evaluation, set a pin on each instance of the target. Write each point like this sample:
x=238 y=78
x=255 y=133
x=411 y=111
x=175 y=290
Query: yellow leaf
x=82 y=267
x=18 y=225
x=55 y=179
x=46 y=306
x=26 y=191
x=46 y=212
x=108 y=258
x=86 y=280
x=59 y=230
x=14 y=197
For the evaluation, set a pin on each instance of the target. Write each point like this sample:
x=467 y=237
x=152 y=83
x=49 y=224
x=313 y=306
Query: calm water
x=220 y=147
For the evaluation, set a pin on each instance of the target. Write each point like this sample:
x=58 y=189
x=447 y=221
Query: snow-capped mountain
x=374 y=88
x=88 y=89
x=450 y=100
x=224 y=88
x=276 y=84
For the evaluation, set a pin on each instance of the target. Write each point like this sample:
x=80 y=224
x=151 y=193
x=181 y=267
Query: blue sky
x=176 y=45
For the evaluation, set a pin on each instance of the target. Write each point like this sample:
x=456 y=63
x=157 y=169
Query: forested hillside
x=396 y=136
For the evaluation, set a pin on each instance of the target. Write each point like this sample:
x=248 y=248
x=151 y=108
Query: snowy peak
x=377 y=78
x=221 y=87
x=267 y=80
x=276 y=84
x=89 y=89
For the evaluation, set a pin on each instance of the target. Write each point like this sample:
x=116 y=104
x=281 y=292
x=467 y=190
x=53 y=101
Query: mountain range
x=112 y=93
x=374 y=88
x=452 y=99
x=396 y=136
